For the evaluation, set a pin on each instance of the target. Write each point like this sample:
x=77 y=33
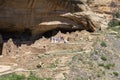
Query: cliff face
x=40 y=16
x=20 y=14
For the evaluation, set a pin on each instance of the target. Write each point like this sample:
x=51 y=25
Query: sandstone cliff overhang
x=40 y=16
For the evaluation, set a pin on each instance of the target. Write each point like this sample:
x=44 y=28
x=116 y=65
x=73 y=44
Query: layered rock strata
x=40 y=16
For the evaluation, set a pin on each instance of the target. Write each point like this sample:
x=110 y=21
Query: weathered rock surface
x=9 y=48
x=40 y=16
x=1 y=44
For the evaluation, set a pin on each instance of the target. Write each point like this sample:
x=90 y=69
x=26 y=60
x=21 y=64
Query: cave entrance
x=22 y=36
x=51 y=33
x=18 y=38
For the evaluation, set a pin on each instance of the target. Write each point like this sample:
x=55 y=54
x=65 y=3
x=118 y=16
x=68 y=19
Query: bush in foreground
x=14 y=76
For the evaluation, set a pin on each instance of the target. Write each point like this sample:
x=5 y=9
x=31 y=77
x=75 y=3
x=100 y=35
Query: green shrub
x=113 y=23
x=103 y=58
x=12 y=77
x=117 y=15
x=103 y=44
x=100 y=73
x=101 y=64
x=75 y=58
x=115 y=73
x=80 y=78
x=32 y=77
x=108 y=66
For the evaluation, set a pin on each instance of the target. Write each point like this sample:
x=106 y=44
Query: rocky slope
x=93 y=56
